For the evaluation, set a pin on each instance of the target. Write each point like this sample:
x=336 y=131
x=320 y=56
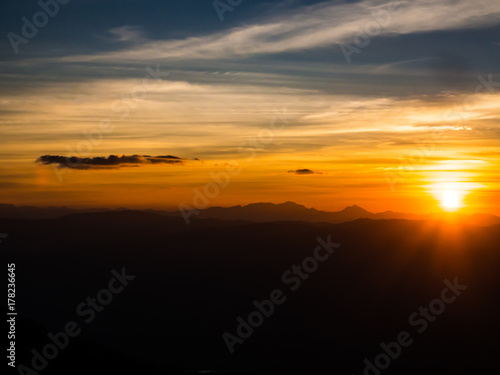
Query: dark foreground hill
x=192 y=283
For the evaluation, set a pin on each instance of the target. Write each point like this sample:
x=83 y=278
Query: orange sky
x=381 y=154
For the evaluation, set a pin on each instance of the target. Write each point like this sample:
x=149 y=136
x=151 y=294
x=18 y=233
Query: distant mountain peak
x=287 y=205
x=354 y=209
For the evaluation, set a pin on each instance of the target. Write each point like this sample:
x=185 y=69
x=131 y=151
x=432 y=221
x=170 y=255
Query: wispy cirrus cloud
x=310 y=27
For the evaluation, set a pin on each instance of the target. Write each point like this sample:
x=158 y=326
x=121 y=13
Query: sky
x=390 y=105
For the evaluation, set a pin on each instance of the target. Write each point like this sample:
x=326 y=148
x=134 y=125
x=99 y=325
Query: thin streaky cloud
x=321 y=25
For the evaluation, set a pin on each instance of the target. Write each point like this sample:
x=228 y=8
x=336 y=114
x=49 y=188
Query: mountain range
x=259 y=213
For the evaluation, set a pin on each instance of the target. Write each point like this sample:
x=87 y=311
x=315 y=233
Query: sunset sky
x=390 y=105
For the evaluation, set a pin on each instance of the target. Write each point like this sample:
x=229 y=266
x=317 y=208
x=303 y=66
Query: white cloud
x=311 y=27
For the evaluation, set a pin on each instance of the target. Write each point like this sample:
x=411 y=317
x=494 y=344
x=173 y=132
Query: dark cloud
x=304 y=171
x=102 y=162
x=168 y=159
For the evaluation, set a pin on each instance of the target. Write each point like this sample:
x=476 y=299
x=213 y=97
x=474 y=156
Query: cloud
x=127 y=34
x=168 y=159
x=304 y=171
x=112 y=161
x=309 y=27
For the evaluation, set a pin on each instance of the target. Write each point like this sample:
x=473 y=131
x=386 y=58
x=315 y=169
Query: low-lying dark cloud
x=110 y=162
x=304 y=171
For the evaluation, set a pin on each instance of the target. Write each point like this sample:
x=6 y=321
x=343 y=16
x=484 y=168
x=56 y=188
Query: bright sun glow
x=451 y=200
x=452 y=189
x=451 y=195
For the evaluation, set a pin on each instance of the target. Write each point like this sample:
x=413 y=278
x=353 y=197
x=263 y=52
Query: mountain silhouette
x=29 y=212
x=290 y=211
x=259 y=212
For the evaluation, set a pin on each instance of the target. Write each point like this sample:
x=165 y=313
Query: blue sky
x=451 y=55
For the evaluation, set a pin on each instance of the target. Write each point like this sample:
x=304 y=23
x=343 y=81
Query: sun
x=453 y=190
x=451 y=200
x=450 y=195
